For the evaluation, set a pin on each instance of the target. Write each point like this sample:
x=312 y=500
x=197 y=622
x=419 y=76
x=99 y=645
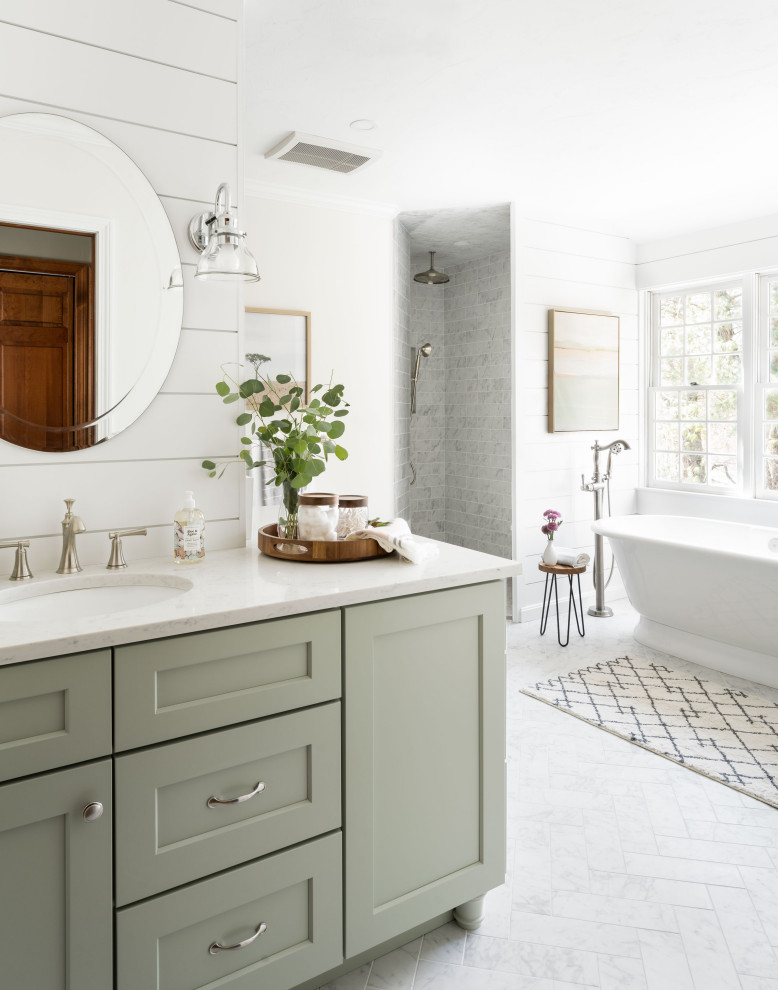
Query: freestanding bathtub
x=706 y=591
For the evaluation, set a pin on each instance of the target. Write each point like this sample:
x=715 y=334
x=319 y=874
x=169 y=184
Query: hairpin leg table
x=552 y=571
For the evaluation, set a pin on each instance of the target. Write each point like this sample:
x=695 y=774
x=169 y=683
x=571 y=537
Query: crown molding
x=329 y=201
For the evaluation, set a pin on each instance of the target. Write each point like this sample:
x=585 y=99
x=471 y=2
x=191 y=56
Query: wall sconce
x=224 y=255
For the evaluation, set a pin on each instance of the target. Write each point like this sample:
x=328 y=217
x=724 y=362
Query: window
x=713 y=391
x=697 y=403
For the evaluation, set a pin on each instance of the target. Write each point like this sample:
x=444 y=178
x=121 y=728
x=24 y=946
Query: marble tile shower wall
x=428 y=425
x=402 y=369
x=478 y=405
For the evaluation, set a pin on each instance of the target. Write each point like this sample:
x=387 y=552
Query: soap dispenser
x=188 y=532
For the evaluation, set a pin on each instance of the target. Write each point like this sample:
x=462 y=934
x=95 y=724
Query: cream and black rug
x=715 y=730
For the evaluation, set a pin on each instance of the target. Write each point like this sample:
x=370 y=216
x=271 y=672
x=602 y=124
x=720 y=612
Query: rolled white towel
x=571 y=558
x=397 y=536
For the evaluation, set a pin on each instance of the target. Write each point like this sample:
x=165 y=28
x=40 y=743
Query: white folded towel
x=397 y=536
x=571 y=558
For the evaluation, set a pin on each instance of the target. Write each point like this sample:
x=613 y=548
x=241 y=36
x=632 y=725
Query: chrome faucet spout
x=71 y=526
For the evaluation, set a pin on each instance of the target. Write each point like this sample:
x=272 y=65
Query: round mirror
x=91 y=291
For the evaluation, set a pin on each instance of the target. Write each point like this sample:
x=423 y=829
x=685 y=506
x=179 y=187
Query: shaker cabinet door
x=424 y=752
x=56 y=909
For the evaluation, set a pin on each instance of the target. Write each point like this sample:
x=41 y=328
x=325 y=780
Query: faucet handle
x=21 y=571
x=117 y=556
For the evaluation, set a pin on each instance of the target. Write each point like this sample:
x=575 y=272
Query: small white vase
x=549 y=554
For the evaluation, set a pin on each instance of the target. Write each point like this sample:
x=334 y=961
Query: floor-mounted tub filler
x=600 y=485
x=706 y=591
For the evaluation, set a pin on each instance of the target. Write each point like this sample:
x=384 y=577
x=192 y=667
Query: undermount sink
x=88 y=595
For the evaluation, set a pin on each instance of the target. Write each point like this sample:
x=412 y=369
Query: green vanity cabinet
x=288 y=795
x=424 y=758
x=56 y=905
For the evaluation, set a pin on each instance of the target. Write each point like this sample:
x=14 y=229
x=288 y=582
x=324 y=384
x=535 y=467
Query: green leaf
x=232 y=397
x=284 y=399
x=341 y=453
x=341 y=412
x=246 y=440
x=266 y=407
x=294 y=405
x=316 y=388
x=314 y=404
x=301 y=480
x=296 y=390
x=208 y=465
x=325 y=427
x=259 y=463
x=336 y=430
x=244 y=418
x=212 y=474
x=283 y=379
x=300 y=446
x=329 y=447
x=249 y=387
x=331 y=397
x=316 y=467
x=246 y=455
x=222 y=471
x=222 y=388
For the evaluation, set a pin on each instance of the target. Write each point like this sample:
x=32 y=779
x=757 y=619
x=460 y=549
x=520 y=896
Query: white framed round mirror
x=91 y=291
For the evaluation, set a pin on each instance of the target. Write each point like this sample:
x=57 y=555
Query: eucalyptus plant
x=299 y=437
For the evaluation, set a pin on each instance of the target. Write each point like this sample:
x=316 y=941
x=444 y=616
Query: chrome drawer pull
x=213 y=802
x=215 y=947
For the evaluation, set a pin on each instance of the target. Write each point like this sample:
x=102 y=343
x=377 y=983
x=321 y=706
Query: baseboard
x=531 y=613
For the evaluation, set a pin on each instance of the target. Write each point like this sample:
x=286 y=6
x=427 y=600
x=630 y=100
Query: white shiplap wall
x=563 y=267
x=160 y=78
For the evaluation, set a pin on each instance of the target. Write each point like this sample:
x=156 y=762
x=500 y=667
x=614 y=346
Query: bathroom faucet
x=71 y=527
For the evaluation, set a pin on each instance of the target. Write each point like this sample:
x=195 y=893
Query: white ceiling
x=456 y=236
x=645 y=119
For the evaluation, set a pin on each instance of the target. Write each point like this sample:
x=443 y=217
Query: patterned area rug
x=717 y=731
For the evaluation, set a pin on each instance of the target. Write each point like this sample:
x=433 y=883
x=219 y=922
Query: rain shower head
x=431 y=277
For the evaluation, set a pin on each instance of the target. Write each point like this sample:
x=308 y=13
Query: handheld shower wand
x=599 y=483
x=424 y=351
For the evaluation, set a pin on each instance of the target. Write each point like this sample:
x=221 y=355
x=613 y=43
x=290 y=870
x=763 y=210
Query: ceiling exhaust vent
x=307 y=149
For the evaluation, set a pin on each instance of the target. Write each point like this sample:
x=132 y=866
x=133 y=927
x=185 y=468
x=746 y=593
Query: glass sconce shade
x=224 y=255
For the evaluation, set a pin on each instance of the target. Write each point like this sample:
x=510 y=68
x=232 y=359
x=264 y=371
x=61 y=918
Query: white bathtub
x=706 y=591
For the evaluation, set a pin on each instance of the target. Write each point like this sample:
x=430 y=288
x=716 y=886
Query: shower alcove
x=453 y=454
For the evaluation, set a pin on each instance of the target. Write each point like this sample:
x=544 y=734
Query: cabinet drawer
x=54 y=712
x=176 y=687
x=166 y=833
x=165 y=943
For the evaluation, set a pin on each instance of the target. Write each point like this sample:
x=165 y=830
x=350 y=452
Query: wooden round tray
x=317 y=551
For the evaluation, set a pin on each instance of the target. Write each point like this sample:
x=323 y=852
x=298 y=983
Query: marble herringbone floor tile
x=625 y=871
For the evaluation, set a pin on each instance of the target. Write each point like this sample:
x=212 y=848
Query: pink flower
x=553 y=525
x=545 y=530
x=552 y=514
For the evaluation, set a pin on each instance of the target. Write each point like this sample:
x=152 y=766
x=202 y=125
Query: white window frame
x=745 y=394
x=762 y=384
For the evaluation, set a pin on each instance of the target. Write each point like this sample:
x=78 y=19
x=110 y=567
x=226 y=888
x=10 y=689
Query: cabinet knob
x=92 y=811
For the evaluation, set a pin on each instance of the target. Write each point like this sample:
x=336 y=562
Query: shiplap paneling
x=198 y=359
x=125 y=27
x=180 y=128
x=111 y=84
x=563 y=267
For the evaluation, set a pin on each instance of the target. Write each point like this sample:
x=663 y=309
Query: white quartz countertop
x=229 y=587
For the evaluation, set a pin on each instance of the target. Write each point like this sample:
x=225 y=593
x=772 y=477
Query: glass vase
x=288 y=512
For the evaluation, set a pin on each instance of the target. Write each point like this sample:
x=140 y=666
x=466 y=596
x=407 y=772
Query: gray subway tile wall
x=460 y=437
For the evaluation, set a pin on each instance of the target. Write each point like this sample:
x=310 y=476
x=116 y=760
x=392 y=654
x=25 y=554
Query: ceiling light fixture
x=224 y=255
x=363 y=124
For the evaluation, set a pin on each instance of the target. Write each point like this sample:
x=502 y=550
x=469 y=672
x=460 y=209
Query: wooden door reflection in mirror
x=47 y=345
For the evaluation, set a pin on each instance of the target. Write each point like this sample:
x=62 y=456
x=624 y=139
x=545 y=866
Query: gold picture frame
x=282 y=337
x=583 y=370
